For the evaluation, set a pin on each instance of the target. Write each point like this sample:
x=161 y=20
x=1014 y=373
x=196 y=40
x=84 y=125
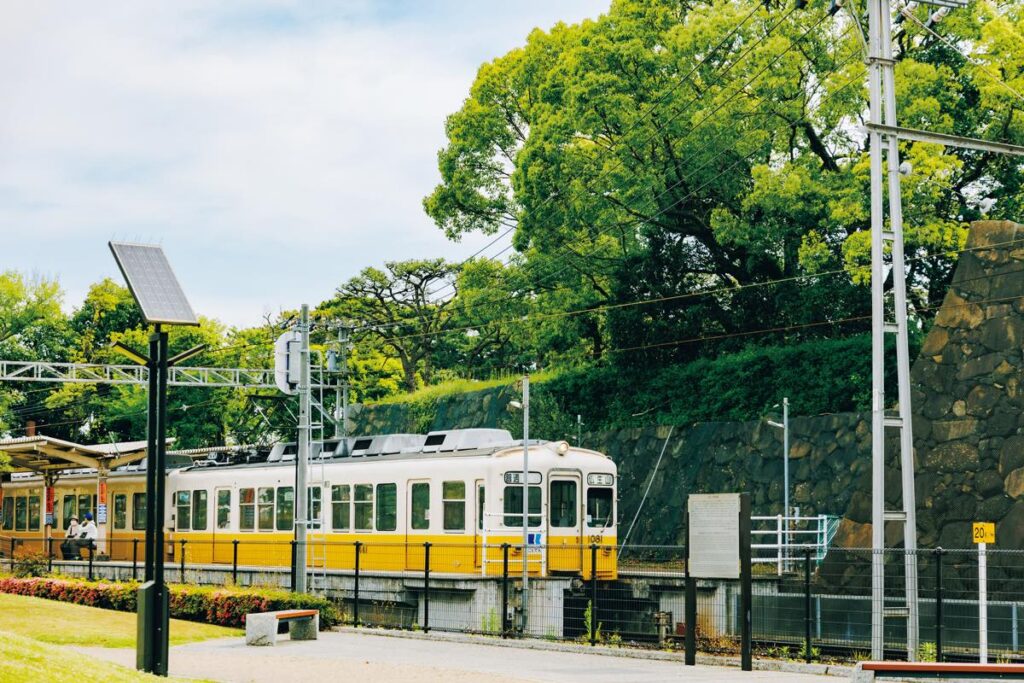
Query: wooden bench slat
x=296 y=613
x=943 y=667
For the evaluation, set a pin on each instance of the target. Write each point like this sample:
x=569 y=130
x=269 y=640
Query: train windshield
x=599 y=507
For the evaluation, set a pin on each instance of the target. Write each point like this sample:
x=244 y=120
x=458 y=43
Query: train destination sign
x=714 y=529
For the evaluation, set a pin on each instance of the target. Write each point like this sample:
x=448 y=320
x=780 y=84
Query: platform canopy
x=44 y=454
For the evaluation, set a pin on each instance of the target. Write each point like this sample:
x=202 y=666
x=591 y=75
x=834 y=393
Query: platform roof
x=44 y=454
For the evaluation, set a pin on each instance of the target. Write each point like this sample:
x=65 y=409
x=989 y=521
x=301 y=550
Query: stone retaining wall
x=968 y=413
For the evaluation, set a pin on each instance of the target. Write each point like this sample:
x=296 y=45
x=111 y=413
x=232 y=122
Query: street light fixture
x=784 y=426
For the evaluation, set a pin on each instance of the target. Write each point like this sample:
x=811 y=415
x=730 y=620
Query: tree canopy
x=687 y=154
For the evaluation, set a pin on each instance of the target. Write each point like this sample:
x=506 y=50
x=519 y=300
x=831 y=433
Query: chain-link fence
x=816 y=608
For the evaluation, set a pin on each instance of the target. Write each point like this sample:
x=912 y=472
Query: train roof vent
x=276 y=452
x=465 y=439
x=400 y=443
x=361 y=445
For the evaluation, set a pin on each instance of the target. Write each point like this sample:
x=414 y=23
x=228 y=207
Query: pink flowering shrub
x=222 y=606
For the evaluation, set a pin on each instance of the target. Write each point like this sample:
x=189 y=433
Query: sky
x=274 y=148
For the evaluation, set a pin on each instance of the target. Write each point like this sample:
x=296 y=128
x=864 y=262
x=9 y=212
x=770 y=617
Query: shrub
x=30 y=564
x=211 y=605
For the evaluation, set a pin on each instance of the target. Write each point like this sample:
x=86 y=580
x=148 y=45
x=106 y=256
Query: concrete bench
x=261 y=627
x=869 y=671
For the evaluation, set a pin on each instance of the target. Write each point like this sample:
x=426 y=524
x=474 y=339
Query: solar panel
x=153 y=284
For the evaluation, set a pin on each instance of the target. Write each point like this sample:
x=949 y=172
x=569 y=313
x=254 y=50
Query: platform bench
x=261 y=627
x=950 y=671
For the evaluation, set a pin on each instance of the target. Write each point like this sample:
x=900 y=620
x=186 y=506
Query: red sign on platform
x=103 y=492
x=49 y=500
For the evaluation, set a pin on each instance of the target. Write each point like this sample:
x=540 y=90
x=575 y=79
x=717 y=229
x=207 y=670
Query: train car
x=461 y=491
x=75 y=493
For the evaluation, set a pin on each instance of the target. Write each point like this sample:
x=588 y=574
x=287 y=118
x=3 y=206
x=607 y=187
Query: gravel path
x=386 y=659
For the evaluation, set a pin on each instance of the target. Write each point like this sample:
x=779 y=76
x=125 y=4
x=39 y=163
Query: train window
x=8 y=513
x=184 y=511
x=364 y=507
x=361 y=444
x=435 y=440
x=70 y=509
x=21 y=513
x=34 y=521
x=313 y=507
x=285 y=508
x=599 y=507
x=480 y=507
x=563 y=504
x=453 y=494
x=340 y=510
x=85 y=505
x=419 y=515
x=224 y=508
x=265 y=508
x=514 y=506
x=199 y=509
x=120 y=511
x=138 y=510
x=387 y=507
x=246 y=509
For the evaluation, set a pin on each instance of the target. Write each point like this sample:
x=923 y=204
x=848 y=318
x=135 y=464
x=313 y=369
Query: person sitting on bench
x=69 y=548
x=87 y=533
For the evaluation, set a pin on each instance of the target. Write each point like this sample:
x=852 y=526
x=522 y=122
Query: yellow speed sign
x=983 y=532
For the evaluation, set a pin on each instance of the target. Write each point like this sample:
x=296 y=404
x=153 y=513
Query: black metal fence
x=815 y=610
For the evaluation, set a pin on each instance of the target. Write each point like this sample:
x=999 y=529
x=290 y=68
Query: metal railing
x=783 y=541
x=818 y=610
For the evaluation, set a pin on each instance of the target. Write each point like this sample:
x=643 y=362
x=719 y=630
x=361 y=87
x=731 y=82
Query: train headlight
x=600 y=479
x=562 y=447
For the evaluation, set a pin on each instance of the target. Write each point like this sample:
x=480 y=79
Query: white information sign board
x=714 y=521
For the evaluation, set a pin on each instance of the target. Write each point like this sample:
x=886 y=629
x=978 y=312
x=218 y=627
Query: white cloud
x=274 y=148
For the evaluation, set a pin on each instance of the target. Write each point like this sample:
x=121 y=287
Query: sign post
x=718 y=547
x=983 y=533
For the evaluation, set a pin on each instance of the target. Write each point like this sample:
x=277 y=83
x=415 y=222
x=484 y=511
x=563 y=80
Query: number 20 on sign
x=983 y=532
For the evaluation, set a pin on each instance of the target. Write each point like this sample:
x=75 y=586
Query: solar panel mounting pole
x=156 y=290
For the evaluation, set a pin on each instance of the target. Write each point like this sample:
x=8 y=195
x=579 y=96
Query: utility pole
x=882 y=102
x=526 y=498
x=302 y=461
x=341 y=391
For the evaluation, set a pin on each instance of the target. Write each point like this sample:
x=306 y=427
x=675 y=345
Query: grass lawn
x=51 y=621
x=24 y=659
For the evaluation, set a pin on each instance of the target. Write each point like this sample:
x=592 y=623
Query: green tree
x=405 y=308
x=688 y=153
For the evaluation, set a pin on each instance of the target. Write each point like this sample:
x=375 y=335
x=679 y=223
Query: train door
x=223 y=548
x=479 y=537
x=418 y=524
x=565 y=524
x=316 y=538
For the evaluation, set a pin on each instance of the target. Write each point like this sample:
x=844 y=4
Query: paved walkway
x=375 y=658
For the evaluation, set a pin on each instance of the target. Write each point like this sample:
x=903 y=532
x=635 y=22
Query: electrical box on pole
x=287 y=365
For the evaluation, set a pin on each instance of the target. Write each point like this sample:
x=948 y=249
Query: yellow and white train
x=460 y=490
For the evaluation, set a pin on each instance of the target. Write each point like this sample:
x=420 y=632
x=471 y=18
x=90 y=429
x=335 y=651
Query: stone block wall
x=968 y=419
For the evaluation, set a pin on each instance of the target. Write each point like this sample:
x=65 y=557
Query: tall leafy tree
x=688 y=153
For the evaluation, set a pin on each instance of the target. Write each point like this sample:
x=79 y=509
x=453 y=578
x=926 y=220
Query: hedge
x=221 y=606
